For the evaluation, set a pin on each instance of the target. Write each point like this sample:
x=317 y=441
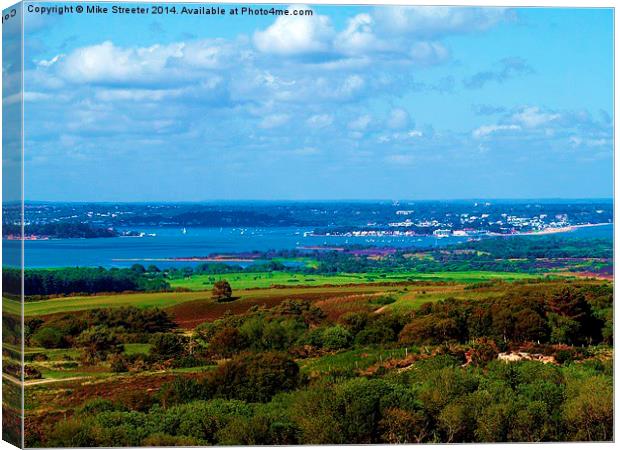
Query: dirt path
x=44 y=380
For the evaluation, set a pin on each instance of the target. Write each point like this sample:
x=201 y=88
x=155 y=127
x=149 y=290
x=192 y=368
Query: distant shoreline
x=354 y=233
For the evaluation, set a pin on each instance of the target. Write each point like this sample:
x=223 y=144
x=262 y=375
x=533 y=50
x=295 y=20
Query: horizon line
x=342 y=200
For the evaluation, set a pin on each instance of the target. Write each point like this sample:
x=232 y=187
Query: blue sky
x=351 y=103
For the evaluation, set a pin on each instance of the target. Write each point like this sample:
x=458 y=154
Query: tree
x=222 y=292
x=98 y=342
x=588 y=412
x=570 y=317
x=400 y=426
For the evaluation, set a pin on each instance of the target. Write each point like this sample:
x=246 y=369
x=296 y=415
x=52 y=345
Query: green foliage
x=38 y=282
x=132 y=319
x=336 y=338
x=168 y=345
x=254 y=377
x=48 y=337
x=97 y=343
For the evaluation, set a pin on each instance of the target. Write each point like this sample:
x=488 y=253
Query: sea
x=170 y=243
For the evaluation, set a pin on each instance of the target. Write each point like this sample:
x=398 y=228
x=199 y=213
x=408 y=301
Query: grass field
x=67 y=304
x=169 y=299
x=258 y=287
x=245 y=280
x=357 y=359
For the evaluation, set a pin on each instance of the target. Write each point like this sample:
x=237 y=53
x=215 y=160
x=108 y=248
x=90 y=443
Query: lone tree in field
x=222 y=292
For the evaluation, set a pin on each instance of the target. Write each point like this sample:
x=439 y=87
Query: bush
x=181 y=390
x=227 y=342
x=117 y=363
x=48 y=337
x=255 y=377
x=336 y=338
x=165 y=440
x=167 y=345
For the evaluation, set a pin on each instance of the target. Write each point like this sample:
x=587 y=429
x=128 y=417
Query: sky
x=350 y=103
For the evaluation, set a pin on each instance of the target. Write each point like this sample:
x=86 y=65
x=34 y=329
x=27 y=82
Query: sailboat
x=184 y=230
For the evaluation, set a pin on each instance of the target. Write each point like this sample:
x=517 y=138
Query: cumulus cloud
x=296 y=35
x=350 y=84
x=109 y=63
x=398 y=119
x=359 y=37
x=403 y=34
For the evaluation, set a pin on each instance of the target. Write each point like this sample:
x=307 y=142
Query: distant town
x=394 y=218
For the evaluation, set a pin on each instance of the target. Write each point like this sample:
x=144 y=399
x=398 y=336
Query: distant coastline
x=459 y=233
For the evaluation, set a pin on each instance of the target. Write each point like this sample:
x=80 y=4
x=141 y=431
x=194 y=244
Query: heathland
x=488 y=341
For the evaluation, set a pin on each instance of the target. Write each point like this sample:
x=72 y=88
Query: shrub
x=165 y=440
x=167 y=345
x=336 y=338
x=48 y=337
x=255 y=377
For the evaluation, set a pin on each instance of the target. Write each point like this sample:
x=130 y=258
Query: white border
x=513 y=3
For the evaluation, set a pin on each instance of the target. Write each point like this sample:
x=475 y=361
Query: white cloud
x=137 y=95
x=30 y=96
x=108 y=63
x=296 y=35
x=50 y=62
x=398 y=119
x=429 y=53
x=577 y=141
x=359 y=37
x=360 y=123
x=532 y=117
x=320 y=120
x=274 y=120
x=351 y=85
x=486 y=130
x=436 y=21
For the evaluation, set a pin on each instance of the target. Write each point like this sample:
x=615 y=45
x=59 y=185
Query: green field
x=158 y=299
x=168 y=299
x=251 y=286
x=245 y=280
x=357 y=359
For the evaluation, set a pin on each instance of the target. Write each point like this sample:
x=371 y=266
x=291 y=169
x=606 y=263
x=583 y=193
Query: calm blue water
x=172 y=243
